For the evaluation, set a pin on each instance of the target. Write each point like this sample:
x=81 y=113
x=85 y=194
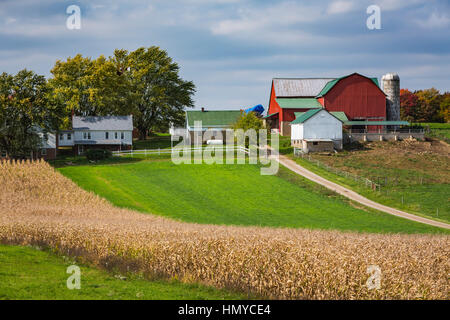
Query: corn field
x=40 y=207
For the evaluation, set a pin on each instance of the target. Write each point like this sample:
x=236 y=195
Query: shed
x=316 y=130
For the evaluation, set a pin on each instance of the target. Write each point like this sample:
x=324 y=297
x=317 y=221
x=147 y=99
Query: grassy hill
x=231 y=195
x=27 y=273
x=413 y=175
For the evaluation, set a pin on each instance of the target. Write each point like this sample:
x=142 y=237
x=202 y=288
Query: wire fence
x=380 y=185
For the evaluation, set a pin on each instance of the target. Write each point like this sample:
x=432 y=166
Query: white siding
x=100 y=136
x=64 y=139
x=320 y=126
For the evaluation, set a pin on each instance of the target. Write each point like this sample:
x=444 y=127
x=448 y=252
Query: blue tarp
x=258 y=109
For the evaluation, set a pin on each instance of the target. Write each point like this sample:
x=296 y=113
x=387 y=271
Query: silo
x=391 y=87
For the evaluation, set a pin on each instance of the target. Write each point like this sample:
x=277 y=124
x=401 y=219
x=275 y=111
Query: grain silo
x=391 y=87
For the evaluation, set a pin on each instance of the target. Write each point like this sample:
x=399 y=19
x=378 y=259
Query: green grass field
x=231 y=195
x=27 y=273
x=439 y=130
x=414 y=178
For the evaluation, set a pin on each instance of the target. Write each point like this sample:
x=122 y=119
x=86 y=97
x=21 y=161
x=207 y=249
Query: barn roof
x=124 y=123
x=338 y=114
x=213 y=118
x=299 y=87
x=332 y=83
x=298 y=103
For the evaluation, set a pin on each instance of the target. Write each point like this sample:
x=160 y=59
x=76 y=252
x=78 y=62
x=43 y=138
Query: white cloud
x=435 y=20
x=337 y=7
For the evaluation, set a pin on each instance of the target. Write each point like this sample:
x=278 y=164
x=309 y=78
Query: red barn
x=359 y=97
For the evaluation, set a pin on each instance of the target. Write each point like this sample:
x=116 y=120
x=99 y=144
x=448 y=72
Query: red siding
x=358 y=97
x=274 y=107
x=289 y=114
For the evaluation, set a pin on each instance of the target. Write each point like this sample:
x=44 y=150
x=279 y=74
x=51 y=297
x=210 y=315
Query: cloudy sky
x=232 y=49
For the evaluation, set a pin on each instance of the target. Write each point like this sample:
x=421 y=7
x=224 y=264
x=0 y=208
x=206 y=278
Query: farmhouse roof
x=122 y=123
x=213 y=118
x=298 y=103
x=304 y=116
x=299 y=87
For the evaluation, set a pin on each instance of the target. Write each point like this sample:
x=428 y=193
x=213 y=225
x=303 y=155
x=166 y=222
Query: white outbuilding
x=316 y=130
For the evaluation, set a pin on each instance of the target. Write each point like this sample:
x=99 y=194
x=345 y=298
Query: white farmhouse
x=316 y=130
x=109 y=132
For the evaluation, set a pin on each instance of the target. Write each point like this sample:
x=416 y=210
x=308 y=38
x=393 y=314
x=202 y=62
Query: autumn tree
x=409 y=104
x=444 y=111
x=429 y=105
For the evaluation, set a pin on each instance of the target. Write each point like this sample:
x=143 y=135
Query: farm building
x=109 y=132
x=45 y=150
x=216 y=120
x=357 y=97
x=316 y=130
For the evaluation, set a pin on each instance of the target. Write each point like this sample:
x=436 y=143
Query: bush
x=98 y=154
x=286 y=150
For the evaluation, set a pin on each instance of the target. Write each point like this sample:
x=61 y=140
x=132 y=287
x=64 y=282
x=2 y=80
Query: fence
x=149 y=152
x=362 y=180
x=381 y=186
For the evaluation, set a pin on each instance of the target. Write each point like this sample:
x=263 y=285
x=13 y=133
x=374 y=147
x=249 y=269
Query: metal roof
x=299 y=87
x=338 y=114
x=123 y=123
x=213 y=118
x=270 y=115
x=298 y=103
x=332 y=83
x=306 y=115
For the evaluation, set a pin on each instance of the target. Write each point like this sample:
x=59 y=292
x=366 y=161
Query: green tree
x=90 y=87
x=26 y=108
x=160 y=95
x=247 y=121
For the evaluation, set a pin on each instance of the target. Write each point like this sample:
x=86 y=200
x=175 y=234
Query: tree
x=90 y=87
x=159 y=93
x=430 y=103
x=444 y=111
x=409 y=104
x=26 y=108
x=248 y=121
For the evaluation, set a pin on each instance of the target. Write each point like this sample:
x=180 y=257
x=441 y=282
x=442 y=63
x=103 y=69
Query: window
x=106 y=135
x=84 y=135
x=69 y=136
x=315 y=143
x=61 y=137
x=44 y=152
x=122 y=136
x=115 y=135
x=89 y=136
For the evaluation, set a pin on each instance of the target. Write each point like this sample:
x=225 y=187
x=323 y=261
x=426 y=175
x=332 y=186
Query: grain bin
x=391 y=87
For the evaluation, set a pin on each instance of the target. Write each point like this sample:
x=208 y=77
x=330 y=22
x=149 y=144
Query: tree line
x=145 y=83
x=427 y=105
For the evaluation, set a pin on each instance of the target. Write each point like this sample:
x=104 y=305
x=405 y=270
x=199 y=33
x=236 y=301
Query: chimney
x=203 y=109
